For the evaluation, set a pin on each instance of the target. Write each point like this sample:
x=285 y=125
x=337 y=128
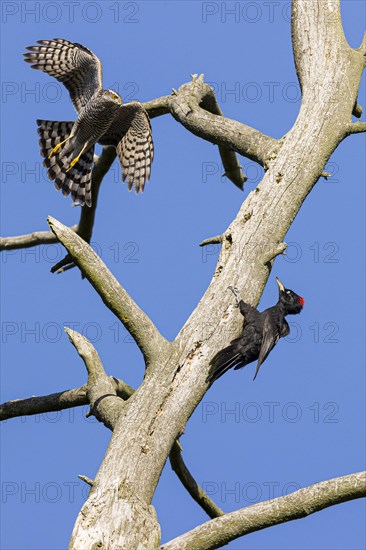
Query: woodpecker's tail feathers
x=223 y=361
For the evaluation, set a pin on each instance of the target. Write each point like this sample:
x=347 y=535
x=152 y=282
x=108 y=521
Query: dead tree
x=146 y=423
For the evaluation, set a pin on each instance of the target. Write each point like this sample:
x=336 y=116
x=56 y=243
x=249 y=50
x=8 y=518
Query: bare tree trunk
x=329 y=72
x=118 y=513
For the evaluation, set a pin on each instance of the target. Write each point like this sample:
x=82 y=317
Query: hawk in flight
x=68 y=147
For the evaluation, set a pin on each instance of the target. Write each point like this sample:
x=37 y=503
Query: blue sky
x=302 y=421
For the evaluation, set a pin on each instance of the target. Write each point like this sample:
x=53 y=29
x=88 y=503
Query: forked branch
x=85 y=226
x=195 y=106
x=59 y=401
x=81 y=396
x=150 y=341
x=105 y=405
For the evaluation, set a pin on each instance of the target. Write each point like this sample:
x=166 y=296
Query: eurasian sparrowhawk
x=68 y=147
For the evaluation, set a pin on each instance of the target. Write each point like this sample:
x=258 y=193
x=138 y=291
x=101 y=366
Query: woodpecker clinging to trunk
x=261 y=333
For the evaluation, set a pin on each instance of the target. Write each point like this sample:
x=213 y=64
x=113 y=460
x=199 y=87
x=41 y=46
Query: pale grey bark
x=36 y=238
x=118 y=513
x=300 y=504
x=87 y=394
x=59 y=401
x=357 y=128
x=191 y=91
x=101 y=392
x=194 y=100
x=114 y=296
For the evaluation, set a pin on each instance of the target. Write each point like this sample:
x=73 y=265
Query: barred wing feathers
x=77 y=67
x=130 y=133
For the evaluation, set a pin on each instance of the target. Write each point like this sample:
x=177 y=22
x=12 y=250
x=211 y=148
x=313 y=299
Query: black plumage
x=261 y=332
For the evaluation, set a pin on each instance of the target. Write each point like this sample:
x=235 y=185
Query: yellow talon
x=54 y=150
x=58 y=146
x=73 y=162
x=76 y=159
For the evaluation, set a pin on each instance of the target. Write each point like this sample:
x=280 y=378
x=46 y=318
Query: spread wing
x=271 y=335
x=70 y=63
x=130 y=133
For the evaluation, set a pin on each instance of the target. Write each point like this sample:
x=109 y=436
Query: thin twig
x=274 y=252
x=326 y=175
x=357 y=128
x=357 y=110
x=212 y=240
x=86 y=479
x=196 y=492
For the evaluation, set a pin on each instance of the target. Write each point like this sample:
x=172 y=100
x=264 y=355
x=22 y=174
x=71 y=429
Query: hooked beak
x=280 y=285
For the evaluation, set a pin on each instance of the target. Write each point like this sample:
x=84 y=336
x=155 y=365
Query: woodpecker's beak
x=280 y=285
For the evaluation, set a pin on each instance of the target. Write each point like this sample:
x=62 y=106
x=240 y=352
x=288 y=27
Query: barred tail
x=223 y=361
x=78 y=180
x=51 y=133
